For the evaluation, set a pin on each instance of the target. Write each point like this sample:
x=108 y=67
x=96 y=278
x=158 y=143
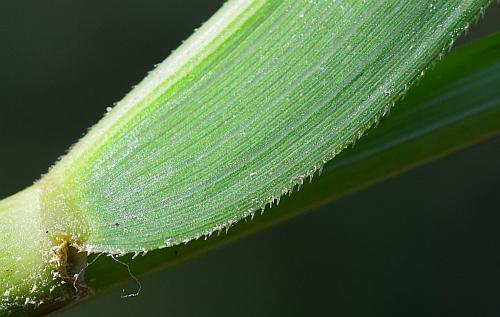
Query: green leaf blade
x=293 y=85
x=443 y=114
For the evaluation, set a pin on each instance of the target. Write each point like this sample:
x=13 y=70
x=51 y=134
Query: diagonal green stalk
x=256 y=101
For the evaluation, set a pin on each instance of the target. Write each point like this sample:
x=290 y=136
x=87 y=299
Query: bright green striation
x=209 y=138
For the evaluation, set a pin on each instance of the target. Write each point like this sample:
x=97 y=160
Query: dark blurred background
x=425 y=243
